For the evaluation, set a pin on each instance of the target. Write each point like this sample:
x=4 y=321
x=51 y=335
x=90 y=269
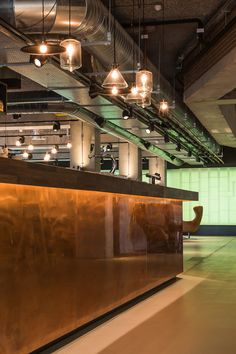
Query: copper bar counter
x=75 y=245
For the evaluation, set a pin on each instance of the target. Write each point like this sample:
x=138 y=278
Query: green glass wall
x=217 y=192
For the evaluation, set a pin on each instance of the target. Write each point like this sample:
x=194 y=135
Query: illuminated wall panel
x=217 y=192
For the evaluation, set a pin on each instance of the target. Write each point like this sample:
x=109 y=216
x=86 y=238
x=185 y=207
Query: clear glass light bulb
x=47 y=156
x=148 y=131
x=54 y=150
x=134 y=90
x=114 y=91
x=43 y=48
x=70 y=49
x=114 y=74
x=30 y=147
x=163 y=106
x=25 y=155
x=144 y=79
x=18 y=143
x=69 y=145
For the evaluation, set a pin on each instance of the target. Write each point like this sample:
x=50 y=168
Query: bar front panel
x=69 y=256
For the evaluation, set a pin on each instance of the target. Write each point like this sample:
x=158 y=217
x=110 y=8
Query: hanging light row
x=69 y=49
x=140 y=92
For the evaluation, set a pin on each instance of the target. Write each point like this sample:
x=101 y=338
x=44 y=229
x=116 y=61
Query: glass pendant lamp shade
x=134 y=96
x=71 y=59
x=114 y=79
x=144 y=81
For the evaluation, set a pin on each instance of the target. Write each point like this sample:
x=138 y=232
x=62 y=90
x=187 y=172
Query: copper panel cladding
x=68 y=256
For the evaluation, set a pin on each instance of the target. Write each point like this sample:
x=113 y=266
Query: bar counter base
x=79 y=332
x=70 y=253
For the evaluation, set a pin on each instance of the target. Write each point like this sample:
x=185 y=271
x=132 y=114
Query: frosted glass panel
x=217 y=192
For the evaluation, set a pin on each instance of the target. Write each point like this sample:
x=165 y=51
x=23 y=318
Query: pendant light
x=114 y=80
x=144 y=77
x=134 y=95
x=164 y=105
x=71 y=59
x=43 y=48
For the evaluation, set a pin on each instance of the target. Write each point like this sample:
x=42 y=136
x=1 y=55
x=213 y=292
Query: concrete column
x=130 y=162
x=95 y=164
x=158 y=165
x=82 y=135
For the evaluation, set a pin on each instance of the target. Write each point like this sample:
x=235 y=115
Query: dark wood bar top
x=27 y=173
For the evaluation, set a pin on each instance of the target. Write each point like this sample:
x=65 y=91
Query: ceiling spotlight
x=69 y=145
x=56 y=126
x=109 y=147
x=198 y=159
x=189 y=153
x=16 y=116
x=55 y=149
x=164 y=107
x=178 y=147
x=25 y=154
x=20 y=141
x=47 y=157
x=38 y=60
x=150 y=128
x=126 y=114
x=30 y=147
x=166 y=138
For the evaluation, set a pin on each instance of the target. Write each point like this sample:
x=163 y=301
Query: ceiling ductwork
x=91 y=24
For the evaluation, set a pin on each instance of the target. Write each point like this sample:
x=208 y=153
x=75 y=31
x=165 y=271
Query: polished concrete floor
x=195 y=315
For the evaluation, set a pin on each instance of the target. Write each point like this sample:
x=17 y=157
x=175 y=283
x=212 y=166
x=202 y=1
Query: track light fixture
x=178 y=147
x=25 y=154
x=189 y=153
x=166 y=138
x=56 y=126
x=55 y=149
x=198 y=159
x=38 y=60
x=127 y=113
x=109 y=147
x=20 y=141
x=30 y=147
x=16 y=116
x=47 y=157
x=150 y=128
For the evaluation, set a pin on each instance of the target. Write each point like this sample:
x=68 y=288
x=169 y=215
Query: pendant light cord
x=144 y=39
x=43 y=22
x=69 y=18
x=114 y=33
x=139 y=31
x=132 y=25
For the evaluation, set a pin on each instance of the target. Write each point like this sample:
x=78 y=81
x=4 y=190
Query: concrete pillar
x=95 y=164
x=158 y=165
x=82 y=136
x=130 y=161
